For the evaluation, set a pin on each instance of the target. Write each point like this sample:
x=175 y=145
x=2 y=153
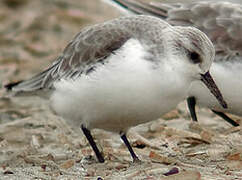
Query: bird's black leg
x=191 y=102
x=126 y=142
x=89 y=137
x=226 y=118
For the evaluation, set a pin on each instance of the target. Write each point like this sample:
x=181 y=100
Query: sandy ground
x=35 y=144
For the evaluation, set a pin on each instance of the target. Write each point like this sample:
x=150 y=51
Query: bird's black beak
x=209 y=82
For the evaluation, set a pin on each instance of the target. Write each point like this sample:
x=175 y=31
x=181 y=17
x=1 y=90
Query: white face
x=193 y=55
x=195 y=52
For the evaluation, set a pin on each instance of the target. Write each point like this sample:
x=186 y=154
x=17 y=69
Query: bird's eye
x=195 y=57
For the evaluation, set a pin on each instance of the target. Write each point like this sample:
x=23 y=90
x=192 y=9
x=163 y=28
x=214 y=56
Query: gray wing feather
x=88 y=47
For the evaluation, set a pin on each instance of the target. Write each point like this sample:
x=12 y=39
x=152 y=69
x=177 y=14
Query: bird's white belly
x=115 y=101
x=117 y=97
x=228 y=78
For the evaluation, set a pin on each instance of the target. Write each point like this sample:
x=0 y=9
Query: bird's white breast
x=124 y=92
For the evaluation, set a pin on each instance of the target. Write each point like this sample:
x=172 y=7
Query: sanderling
x=221 y=21
x=124 y=72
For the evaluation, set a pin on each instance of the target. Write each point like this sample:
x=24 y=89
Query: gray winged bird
x=222 y=22
x=122 y=72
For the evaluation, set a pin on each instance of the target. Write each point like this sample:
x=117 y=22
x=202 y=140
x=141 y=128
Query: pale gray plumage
x=93 y=44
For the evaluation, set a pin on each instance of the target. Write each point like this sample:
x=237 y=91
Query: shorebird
x=124 y=72
x=221 y=22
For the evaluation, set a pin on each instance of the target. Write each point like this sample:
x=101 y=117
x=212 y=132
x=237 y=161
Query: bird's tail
x=32 y=86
